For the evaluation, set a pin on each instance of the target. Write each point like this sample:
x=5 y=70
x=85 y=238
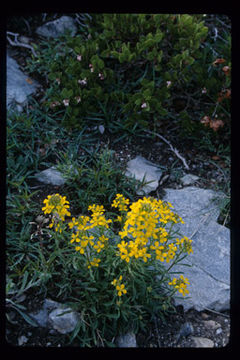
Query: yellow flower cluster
x=57 y=205
x=121 y=202
x=119 y=286
x=142 y=235
x=143 y=226
x=185 y=244
x=180 y=284
x=98 y=219
x=83 y=237
x=94 y=262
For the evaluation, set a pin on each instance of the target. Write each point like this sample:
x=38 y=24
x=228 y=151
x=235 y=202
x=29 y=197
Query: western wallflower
x=143 y=235
x=120 y=202
x=180 y=284
x=94 y=262
x=58 y=206
x=97 y=218
x=119 y=286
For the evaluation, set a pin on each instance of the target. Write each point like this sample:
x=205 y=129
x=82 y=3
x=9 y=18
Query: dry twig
x=15 y=42
x=171 y=148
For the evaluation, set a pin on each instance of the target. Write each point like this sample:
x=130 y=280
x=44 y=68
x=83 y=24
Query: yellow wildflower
x=94 y=262
x=180 y=284
x=120 y=202
x=57 y=205
x=119 y=286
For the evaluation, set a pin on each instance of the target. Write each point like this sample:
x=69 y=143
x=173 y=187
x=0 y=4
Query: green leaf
x=27 y=318
x=91 y=289
x=113 y=316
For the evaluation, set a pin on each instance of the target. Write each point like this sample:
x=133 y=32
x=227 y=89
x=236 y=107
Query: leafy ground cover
x=36 y=140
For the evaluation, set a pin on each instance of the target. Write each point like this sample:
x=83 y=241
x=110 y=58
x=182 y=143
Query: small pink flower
x=204 y=90
x=79 y=57
x=91 y=68
x=169 y=83
x=54 y=104
x=66 y=102
x=144 y=105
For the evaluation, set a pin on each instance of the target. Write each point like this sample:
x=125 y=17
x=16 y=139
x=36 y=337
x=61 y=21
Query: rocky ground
x=181 y=330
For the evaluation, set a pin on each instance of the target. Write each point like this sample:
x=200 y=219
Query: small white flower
x=168 y=83
x=100 y=75
x=79 y=57
x=204 y=90
x=58 y=81
x=78 y=99
x=66 y=102
x=144 y=105
x=82 y=82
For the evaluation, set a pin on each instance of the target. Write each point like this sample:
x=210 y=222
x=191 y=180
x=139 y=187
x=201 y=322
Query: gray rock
x=18 y=87
x=209 y=274
x=41 y=317
x=211 y=324
x=126 y=340
x=51 y=176
x=189 y=179
x=186 y=329
x=142 y=169
x=202 y=342
x=57 y=27
x=64 y=320
x=50 y=304
x=57 y=316
x=22 y=340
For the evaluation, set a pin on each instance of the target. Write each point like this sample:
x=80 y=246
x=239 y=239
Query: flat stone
x=51 y=176
x=41 y=316
x=209 y=271
x=202 y=342
x=64 y=320
x=189 y=179
x=19 y=86
x=211 y=324
x=57 y=27
x=126 y=340
x=142 y=169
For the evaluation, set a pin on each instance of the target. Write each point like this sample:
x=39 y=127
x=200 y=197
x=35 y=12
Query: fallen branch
x=171 y=148
x=15 y=42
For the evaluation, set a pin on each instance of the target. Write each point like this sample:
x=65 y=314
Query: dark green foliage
x=122 y=67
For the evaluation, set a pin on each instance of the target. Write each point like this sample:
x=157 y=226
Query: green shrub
x=207 y=123
x=95 y=178
x=127 y=65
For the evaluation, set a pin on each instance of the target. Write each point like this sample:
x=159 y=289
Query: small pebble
x=204 y=315
x=218 y=331
x=185 y=330
x=22 y=340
